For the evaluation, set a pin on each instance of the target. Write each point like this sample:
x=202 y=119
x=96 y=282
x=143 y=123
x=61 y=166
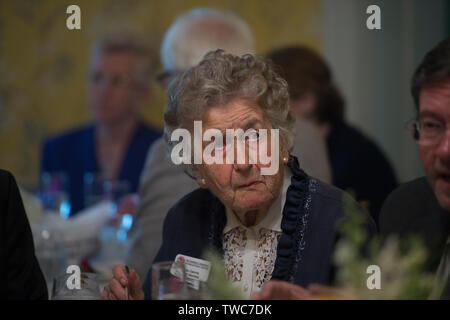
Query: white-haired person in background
x=189 y=38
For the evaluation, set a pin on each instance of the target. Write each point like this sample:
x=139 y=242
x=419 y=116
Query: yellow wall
x=43 y=65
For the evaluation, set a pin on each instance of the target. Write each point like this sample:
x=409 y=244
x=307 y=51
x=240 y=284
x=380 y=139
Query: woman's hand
x=281 y=290
x=115 y=289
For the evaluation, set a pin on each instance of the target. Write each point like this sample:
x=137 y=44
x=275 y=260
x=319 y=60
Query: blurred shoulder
x=5 y=175
x=149 y=131
x=326 y=192
x=332 y=204
x=194 y=204
x=415 y=187
x=8 y=186
x=408 y=201
x=327 y=203
x=409 y=195
x=70 y=136
x=158 y=152
x=6 y=178
x=350 y=137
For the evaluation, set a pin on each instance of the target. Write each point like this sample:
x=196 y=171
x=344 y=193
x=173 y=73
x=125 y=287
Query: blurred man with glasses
x=421 y=207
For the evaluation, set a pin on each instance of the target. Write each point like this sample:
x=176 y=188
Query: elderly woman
x=274 y=226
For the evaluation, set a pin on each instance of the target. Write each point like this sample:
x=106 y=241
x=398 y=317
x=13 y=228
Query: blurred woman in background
x=114 y=147
x=357 y=163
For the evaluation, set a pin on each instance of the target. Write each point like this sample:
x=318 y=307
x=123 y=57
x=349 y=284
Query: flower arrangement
x=399 y=263
x=218 y=285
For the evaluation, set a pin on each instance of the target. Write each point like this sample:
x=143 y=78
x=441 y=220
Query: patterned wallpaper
x=43 y=64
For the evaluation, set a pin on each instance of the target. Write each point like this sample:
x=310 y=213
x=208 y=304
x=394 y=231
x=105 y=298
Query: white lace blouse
x=250 y=253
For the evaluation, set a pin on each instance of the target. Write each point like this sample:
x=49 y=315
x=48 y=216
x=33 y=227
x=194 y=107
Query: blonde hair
x=127 y=42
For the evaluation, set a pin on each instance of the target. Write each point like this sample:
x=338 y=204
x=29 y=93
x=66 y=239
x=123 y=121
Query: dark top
x=413 y=210
x=358 y=166
x=74 y=154
x=20 y=272
x=308 y=238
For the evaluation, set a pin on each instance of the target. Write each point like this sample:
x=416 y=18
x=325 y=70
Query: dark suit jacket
x=21 y=277
x=306 y=246
x=74 y=154
x=413 y=210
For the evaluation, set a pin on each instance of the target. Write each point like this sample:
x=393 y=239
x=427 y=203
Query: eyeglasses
x=116 y=81
x=428 y=131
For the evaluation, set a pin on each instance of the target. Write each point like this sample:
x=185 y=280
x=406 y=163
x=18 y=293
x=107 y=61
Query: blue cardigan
x=306 y=246
x=74 y=154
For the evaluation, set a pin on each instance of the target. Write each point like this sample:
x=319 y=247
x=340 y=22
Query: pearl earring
x=285 y=159
x=203 y=181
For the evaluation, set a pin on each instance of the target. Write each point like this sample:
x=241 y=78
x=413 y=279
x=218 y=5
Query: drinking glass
x=113 y=238
x=97 y=189
x=89 y=288
x=54 y=193
x=168 y=281
x=50 y=253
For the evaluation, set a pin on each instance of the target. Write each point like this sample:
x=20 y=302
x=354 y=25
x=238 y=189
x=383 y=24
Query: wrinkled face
x=241 y=187
x=434 y=111
x=112 y=91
